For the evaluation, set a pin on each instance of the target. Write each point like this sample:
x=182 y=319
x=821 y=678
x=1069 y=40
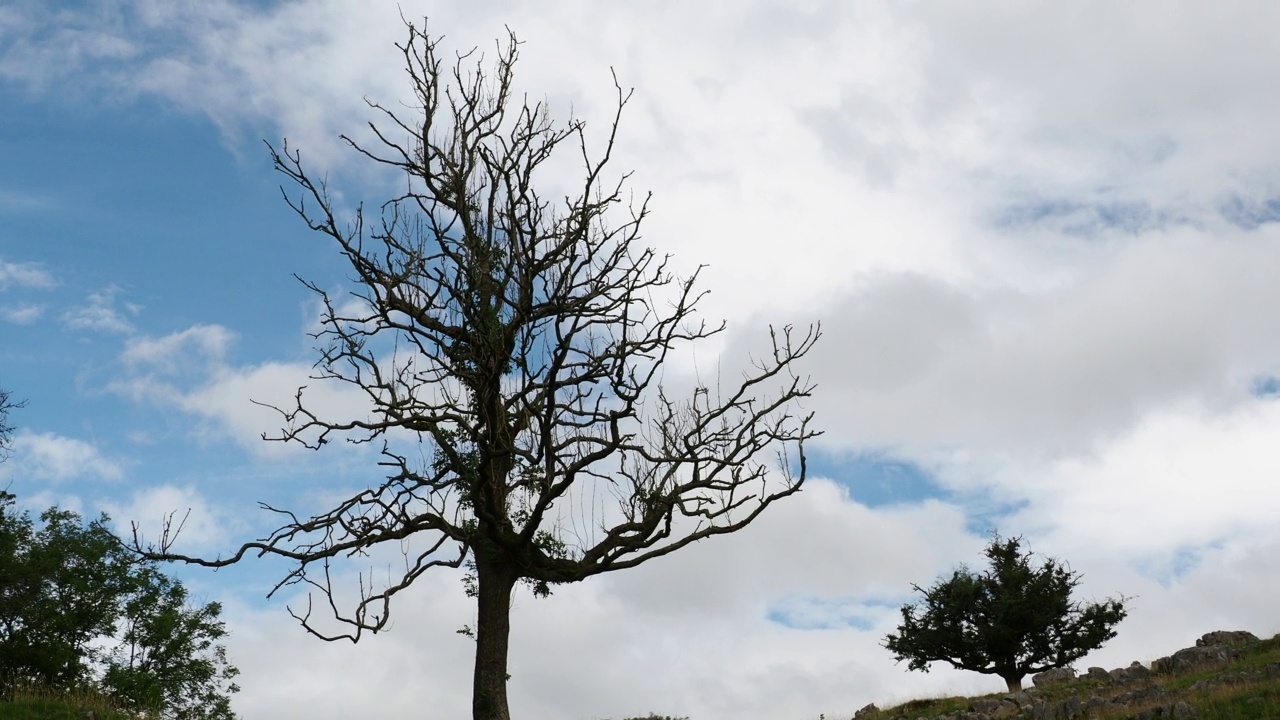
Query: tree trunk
x=494 y=583
x=1013 y=681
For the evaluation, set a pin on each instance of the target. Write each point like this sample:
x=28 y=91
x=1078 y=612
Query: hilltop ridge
x=1226 y=674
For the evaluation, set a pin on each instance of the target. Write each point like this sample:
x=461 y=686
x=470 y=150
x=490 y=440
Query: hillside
x=1225 y=676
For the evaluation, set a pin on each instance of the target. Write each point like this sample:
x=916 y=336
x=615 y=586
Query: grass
x=1247 y=689
x=30 y=702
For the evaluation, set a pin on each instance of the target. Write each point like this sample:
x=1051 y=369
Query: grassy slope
x=36 y=704
x=1248 y=689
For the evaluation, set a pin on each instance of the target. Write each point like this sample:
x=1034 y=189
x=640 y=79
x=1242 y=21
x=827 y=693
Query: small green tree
x=78 y=609
x=169 y=657
x=60 y=588
x=1011 y=621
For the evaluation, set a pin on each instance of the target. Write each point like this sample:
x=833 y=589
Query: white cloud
x=29 y=275
x=1198 y=479
x=44 y=499
x=23 y=314
x=101 y=314
x=188 y=369
x=54 y=457
x=921 y=364
x=281 y=665
x=198 y=344
x=242 y=401
x=48 y=45
x=191 y=518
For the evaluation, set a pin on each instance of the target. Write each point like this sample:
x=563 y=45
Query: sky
x=1042 y=240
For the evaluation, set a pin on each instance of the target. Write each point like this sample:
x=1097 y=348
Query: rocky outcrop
x=1136 y=672
x=1097 y=674
x=1212 y=650
x=1228 y=638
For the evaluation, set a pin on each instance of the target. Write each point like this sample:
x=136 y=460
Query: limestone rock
x=1195 y=658
x=1228 y=638
x=1056 y=676
x=1134 y=673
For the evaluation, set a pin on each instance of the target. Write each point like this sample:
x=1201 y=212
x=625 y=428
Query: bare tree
x=7 y=403
x=522 y=342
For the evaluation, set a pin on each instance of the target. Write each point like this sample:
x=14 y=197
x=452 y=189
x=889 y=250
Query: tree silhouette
x=1010 y=621
x=522 y=342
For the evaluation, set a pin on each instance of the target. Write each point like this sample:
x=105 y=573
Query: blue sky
x=1041 y=239
x=141 y=223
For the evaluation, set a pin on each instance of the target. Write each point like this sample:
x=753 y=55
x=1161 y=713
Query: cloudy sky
x=1043 y=240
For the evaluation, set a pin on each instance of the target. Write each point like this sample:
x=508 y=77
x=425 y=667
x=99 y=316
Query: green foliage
x=1012 y=620
x=62 y=589
x=169 y=657
x=78 y=610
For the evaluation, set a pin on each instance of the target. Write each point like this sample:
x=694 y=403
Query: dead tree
x=7 y=403
x=522 y=341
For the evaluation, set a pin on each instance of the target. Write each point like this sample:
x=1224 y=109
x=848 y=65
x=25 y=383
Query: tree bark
x=1013 y=681
x=494 y=582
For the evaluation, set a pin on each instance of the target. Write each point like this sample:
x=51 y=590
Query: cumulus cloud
x=921 y=364
x=57 y=458
x=189 y=370
x=1169 y=461
x=192 y=519
x=243 y=401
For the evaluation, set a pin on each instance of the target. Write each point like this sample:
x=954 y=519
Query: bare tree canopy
x=7 y=403
x=521 y=340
